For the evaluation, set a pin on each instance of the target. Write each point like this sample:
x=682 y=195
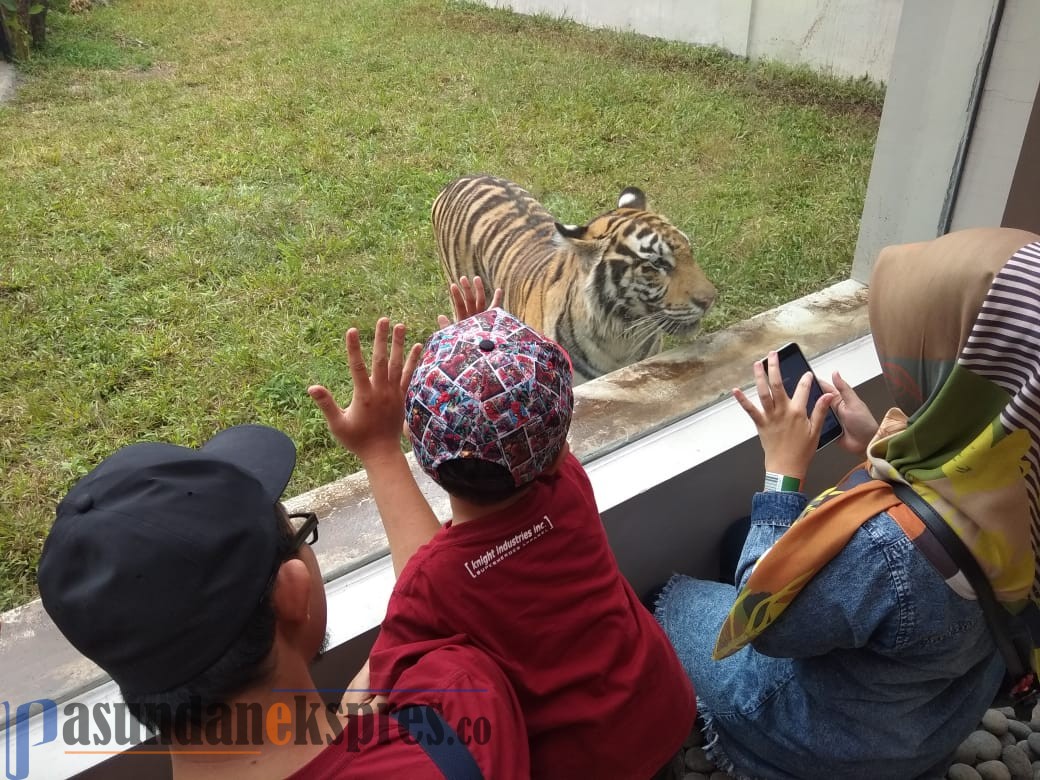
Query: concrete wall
x=841 y=37
x=844 y=38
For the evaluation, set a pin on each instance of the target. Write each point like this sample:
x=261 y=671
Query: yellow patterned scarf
x=953 y=321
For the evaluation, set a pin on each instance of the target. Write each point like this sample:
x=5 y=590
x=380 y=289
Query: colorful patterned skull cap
x=490 y=387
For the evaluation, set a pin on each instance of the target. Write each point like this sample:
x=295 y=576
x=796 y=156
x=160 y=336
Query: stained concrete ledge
x=609 y=412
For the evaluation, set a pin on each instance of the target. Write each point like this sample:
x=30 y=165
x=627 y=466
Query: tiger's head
x=642 y=275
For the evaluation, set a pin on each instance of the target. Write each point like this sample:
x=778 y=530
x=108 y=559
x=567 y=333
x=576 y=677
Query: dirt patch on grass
x=157 y=71
x=7 y=81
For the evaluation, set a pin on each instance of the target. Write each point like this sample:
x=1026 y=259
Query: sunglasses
x=305 y=529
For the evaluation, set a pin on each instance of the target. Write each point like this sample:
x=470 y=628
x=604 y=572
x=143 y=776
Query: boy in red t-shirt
x=523 y=567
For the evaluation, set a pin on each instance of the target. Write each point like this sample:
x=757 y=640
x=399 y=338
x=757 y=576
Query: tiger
x=606 y=291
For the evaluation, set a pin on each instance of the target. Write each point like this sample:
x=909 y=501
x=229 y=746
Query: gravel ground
x=697 y=765
x=1002 y=748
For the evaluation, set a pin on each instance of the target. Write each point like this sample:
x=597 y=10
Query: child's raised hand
x=469 y=299
x=370 y=425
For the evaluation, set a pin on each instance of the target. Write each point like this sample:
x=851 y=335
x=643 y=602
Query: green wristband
x=780 y=483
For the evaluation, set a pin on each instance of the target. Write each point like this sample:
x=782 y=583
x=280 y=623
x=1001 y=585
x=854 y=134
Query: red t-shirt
x=469 y=691
x=537 y=586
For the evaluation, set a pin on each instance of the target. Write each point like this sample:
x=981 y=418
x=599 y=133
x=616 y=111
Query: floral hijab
x=956 y=324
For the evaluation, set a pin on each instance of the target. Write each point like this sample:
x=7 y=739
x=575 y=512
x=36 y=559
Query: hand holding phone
x=793 y=367
x=789 y=438
x=855 y=416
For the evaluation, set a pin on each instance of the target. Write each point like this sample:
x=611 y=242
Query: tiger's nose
x=705 y=298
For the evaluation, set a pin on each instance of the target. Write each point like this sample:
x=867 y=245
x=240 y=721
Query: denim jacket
x=876 y=670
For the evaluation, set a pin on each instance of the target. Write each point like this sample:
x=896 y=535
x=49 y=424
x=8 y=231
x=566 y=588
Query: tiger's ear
x=572 y=232
x=632 y=198
x=577 y=239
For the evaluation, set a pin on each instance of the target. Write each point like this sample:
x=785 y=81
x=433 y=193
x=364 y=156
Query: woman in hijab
x=852 y=646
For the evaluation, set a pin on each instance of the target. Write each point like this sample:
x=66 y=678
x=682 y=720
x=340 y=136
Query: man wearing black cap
x=179 y=572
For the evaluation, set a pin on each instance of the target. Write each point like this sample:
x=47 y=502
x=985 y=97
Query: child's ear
x=291 y=594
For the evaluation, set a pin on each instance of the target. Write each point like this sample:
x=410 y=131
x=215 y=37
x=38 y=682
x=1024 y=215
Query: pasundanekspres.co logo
x=109 y=728
x=17 y=731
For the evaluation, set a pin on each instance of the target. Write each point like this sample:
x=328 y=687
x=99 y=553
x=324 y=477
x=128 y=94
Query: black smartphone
x=793 y=366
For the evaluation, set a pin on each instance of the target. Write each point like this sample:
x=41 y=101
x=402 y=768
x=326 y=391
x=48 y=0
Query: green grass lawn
x=197 y=198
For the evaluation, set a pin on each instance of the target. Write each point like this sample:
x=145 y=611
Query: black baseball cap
x=160 y=555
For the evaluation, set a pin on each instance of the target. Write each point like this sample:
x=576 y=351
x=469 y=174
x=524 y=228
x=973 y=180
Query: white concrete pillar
x=924 y=125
